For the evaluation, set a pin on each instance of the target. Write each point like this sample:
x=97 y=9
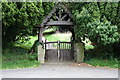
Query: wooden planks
x=59 y=9
x=59 y=23
x=59 y=51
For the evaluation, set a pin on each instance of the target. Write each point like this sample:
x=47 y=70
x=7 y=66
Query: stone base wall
x=79 y=52
x=41 y=54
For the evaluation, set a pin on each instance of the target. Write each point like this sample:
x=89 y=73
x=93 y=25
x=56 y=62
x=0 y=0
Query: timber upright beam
x=41 y=30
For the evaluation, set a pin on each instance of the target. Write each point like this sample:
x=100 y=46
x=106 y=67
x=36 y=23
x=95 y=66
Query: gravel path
x=60 y=71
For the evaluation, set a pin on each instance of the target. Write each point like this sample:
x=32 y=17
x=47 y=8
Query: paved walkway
x=60 y=71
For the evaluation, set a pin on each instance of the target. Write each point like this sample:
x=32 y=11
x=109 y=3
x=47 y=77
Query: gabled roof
x=59 y=16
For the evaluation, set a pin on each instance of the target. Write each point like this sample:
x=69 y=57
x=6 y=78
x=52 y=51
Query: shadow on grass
x=17 y=57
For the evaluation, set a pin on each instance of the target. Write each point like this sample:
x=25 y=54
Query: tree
x=19 y=19
x=98 y=22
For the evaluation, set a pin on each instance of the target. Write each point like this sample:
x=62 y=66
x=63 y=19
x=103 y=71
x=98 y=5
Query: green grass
x=15 y=57
x=18 y=57
x=103 y=63
x=49 y=30
x=56 y=37
x=19 y=64
x=28 y=44
x=88 y=46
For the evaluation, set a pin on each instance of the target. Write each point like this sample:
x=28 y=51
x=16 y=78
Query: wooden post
x=58 y=49
x=45 y=48
x=72 y=49
x=45 y=44
x=73 y=34
x=41 y=30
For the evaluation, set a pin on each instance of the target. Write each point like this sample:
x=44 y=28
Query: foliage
x=103 y=33
x=88 y=46
x=16 y=57
x=34 y=48
x=33 y=56
x=89 y=15
x=20 y=18
x=103 y=63
x=82 y=18
x=27 y=45
x=98 y=21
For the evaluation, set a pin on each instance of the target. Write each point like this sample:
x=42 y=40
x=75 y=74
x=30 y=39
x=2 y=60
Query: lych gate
x=59 y=16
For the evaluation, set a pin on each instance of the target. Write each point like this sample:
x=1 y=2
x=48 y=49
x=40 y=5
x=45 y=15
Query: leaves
x=105 y=33
x=96 y=22
x=20 y=18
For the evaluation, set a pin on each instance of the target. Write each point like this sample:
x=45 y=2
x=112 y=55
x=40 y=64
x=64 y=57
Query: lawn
x=18 y=57
x=28 y=44
x=59 y=36
x=103 y=63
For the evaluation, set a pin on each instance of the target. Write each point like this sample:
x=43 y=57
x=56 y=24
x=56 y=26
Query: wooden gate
x=59 y=51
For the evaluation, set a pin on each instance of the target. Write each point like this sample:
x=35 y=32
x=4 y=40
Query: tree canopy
x=97 y=21
x=20 y=18
x=97 y=14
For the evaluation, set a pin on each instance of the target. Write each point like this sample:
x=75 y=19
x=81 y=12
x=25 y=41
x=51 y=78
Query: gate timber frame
x=59 y=51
